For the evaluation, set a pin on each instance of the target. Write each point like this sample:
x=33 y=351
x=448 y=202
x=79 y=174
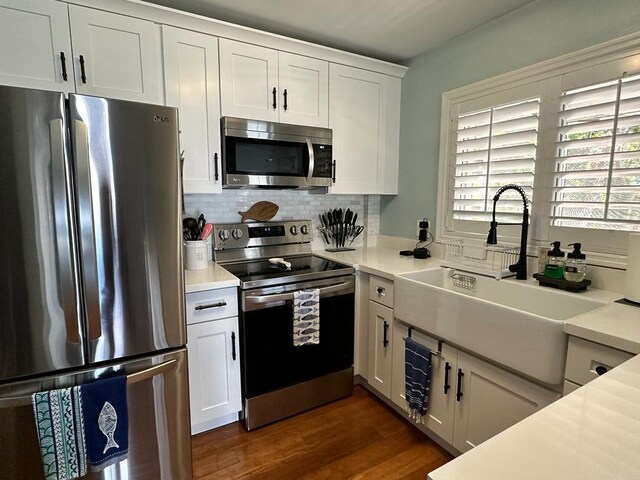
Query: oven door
x=269 y=359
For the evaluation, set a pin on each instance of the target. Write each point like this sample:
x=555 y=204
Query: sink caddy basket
x=476 y=257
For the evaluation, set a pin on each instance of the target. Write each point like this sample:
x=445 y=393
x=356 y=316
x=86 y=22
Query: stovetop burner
x=261 y=273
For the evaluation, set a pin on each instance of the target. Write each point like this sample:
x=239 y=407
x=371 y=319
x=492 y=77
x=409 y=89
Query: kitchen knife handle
x=83 y=75
x=284 y=94
x=233 y=345
x=459 y=388
x=215 y=166
x=447 y=370
x=63 y=63
x=385 y=340
x=274 y=91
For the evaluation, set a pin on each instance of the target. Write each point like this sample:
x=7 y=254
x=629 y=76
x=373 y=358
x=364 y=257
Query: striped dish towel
x=417 y=370
x=60 y=427
x=306 y=317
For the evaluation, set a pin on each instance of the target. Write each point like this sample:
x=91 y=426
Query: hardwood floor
x=355 y=438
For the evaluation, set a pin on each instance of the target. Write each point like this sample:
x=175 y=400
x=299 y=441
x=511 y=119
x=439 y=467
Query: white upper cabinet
x=263 y=84
x=115 y=56
x=35 y=47
x=359 y=115
x=304 y=90
x=191 y=84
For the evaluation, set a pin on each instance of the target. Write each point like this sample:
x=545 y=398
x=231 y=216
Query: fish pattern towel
x=417 y=364
x=306 y=317
x=104 y=404
x=60 y=426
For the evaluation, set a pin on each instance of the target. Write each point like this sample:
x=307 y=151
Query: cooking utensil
x=206 y=231
x=201 y=221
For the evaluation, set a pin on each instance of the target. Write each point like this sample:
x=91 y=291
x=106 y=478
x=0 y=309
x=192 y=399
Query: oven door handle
x=262 y=300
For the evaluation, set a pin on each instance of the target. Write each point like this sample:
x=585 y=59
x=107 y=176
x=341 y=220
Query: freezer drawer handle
x=137 y=377
x=211 y=305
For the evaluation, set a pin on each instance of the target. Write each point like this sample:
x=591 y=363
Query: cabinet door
x=115 y=56
x=35 y=46
x=248 y=81
x=304 y=90
x=491 y=400
x=380 y=345
x=191 y=84
x=358 y=117
x=214 y=371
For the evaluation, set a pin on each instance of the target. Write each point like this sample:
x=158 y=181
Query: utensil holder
x=195 y=254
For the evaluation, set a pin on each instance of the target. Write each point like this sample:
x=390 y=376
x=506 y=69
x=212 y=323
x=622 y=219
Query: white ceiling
x=393 y=30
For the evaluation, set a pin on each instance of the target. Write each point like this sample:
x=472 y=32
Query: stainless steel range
x=273 y=260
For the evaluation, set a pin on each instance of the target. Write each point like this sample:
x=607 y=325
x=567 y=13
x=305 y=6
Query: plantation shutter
x=494 y=146
x=597 y=168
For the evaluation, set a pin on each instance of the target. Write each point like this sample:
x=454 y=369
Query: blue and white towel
x=60 y=427
x=106 y=420
x=306 y=317
x=417 y=368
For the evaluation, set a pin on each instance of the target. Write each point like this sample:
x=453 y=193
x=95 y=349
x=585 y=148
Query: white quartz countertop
x=212 y=277
x=381 y=261
x=592 y=433
x=616 y=325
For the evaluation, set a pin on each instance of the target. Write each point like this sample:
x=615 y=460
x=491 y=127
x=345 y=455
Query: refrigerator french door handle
x=67 y=279
x=141 y=376
x=87 y=232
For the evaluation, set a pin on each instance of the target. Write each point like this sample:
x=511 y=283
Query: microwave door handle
x=312 y=160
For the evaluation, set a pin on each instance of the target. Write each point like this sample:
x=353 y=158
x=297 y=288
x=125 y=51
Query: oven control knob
x=236 y=233
x=304 y=229
x=294 y=230
x=224 y=234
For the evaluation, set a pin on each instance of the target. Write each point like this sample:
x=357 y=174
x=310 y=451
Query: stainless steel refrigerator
x=91 y=276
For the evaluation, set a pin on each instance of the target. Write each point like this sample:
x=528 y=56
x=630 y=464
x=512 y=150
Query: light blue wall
x=539 y=31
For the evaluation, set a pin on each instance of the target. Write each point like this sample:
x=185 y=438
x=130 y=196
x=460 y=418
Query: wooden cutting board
x=261 y=211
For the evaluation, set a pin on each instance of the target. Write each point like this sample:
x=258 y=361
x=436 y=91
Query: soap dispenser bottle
x=575 y=268
x=555 y=262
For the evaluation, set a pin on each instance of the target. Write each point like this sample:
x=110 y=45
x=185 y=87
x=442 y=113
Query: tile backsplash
x=294 y=205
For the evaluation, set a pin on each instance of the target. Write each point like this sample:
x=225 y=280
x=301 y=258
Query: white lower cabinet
x=380 y=338
x=214 y=364
x=471 y=399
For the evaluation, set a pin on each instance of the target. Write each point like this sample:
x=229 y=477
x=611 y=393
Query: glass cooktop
x=303 y=268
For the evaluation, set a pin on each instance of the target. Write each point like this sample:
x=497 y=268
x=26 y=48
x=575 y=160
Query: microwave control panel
x=323 y=157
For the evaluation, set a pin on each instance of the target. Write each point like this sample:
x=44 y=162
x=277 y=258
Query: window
x=495 y=146
x=597 y=171
x=567 y=131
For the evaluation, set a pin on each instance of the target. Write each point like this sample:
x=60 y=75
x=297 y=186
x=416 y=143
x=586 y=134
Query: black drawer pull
x=274 y=98
x=385 y=341
x=215 y=166
x=285 y=98
x=459 y=392
x=380 y=290
x=83 y=75
x=233 y=345
x=447 y=369
x=63 y=62
x=601 y=370
x=211 y=305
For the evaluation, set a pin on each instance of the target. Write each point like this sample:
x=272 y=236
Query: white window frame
x=546 y=78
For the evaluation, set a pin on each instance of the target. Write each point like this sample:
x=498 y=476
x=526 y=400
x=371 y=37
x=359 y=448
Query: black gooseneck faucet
x=520 y=268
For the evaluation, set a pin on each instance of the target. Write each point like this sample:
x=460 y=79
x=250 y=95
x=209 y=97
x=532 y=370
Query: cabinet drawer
x=381 y=290
x=588 y=360
x=211 y=305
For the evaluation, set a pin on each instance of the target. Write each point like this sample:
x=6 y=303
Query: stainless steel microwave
x=279 y=155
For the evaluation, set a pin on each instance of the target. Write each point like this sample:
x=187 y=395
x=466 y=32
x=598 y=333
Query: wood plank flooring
x=355 y=438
